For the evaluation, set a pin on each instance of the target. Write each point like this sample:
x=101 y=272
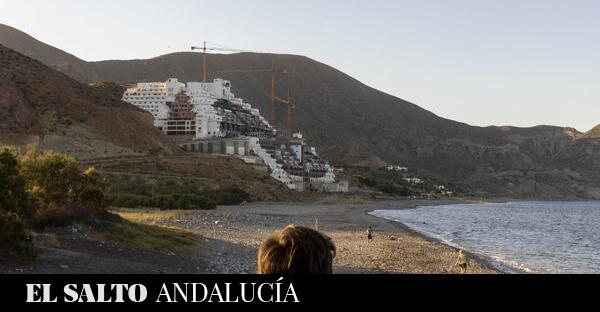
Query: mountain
x=21 y=42
x=351 y=123
x=39 y=105
x=593 y=133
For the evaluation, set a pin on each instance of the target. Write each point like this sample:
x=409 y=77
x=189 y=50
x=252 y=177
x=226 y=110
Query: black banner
x=293 y=291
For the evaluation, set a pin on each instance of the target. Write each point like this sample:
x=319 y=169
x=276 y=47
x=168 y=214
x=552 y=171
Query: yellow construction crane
x=273 y=72
x=204 y=49
x=290 y=105
x=287 y=101
x=274 y=98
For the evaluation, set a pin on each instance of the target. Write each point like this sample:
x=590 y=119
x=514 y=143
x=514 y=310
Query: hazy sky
x=484 y=62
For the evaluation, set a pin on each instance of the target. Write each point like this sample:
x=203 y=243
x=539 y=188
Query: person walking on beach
x=370 y=233
x=461 y=262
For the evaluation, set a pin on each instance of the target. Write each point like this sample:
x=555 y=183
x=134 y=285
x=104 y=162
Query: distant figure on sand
x=296 y=250
x=461 y=262
x=370 y=233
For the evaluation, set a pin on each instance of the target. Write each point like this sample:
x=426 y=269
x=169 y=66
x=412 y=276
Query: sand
x=230 y=237
x=234 y=234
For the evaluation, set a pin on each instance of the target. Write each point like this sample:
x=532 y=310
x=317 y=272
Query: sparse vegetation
x=168 y=197
x=205 y=175
x=179 y=199
x=393 y=183
x=389 y=182
x=164 y=202
x=228 y=196
x=148 y=216
x=144 y=235
x=38 y=189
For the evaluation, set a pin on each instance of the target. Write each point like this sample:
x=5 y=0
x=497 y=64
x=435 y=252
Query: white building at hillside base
x=211 y=119
x=188 y=109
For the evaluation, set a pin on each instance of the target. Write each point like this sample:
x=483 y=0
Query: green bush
x=180 y=199
x=229 y=196
x=364 y=180
x=92 y=190
x=394 y=189
x=60 y=189
x=13 y=192
x=164 y=202
x=52 y=177
x=15 y=237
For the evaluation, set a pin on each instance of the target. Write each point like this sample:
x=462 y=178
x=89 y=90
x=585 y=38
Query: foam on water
x=517 y=237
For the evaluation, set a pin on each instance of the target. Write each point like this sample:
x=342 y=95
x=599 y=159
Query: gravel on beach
x=229 y=238
x=234 y=234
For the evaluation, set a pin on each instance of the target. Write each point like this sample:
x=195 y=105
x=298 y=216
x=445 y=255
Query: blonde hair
x=296 y=250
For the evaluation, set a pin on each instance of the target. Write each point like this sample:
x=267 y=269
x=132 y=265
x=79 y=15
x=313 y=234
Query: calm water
x=543 y=237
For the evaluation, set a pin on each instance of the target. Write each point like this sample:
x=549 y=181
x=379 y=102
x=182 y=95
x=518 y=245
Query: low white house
x=397 y=168
x=414 y=180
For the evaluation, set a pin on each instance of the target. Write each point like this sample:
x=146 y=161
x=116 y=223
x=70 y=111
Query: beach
x=228 y=239
x=233 y=235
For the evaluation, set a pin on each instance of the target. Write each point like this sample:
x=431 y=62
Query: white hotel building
x=161 y=100
x=213 y=116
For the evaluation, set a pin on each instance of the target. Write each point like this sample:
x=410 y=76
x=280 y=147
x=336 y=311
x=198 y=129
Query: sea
x=515 y=237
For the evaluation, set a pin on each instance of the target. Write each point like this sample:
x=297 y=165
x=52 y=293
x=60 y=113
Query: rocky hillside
x=351 y=123
x=594 y=133
x=39 y=105
x=20 y=41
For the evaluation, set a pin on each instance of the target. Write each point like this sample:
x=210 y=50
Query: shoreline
x=229 y=237
x=396 y=248
x=488 y=261
x=498 y=265
x=491 y=263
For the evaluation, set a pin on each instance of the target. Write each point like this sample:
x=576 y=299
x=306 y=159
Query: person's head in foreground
x=296 y=250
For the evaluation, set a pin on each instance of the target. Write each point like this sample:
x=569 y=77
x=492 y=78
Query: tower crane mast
x=286 y=101
x=273 y=70
x=205 y=49
x=290 y=105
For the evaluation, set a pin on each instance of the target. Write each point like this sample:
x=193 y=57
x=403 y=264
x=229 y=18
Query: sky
x=483 y=62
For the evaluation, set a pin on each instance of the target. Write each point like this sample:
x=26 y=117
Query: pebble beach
x=234 y=233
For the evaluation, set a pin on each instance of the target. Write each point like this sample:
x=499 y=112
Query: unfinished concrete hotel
x=208 y=118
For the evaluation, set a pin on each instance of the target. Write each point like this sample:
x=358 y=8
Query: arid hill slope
x=350 y=122
x=39 y=105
